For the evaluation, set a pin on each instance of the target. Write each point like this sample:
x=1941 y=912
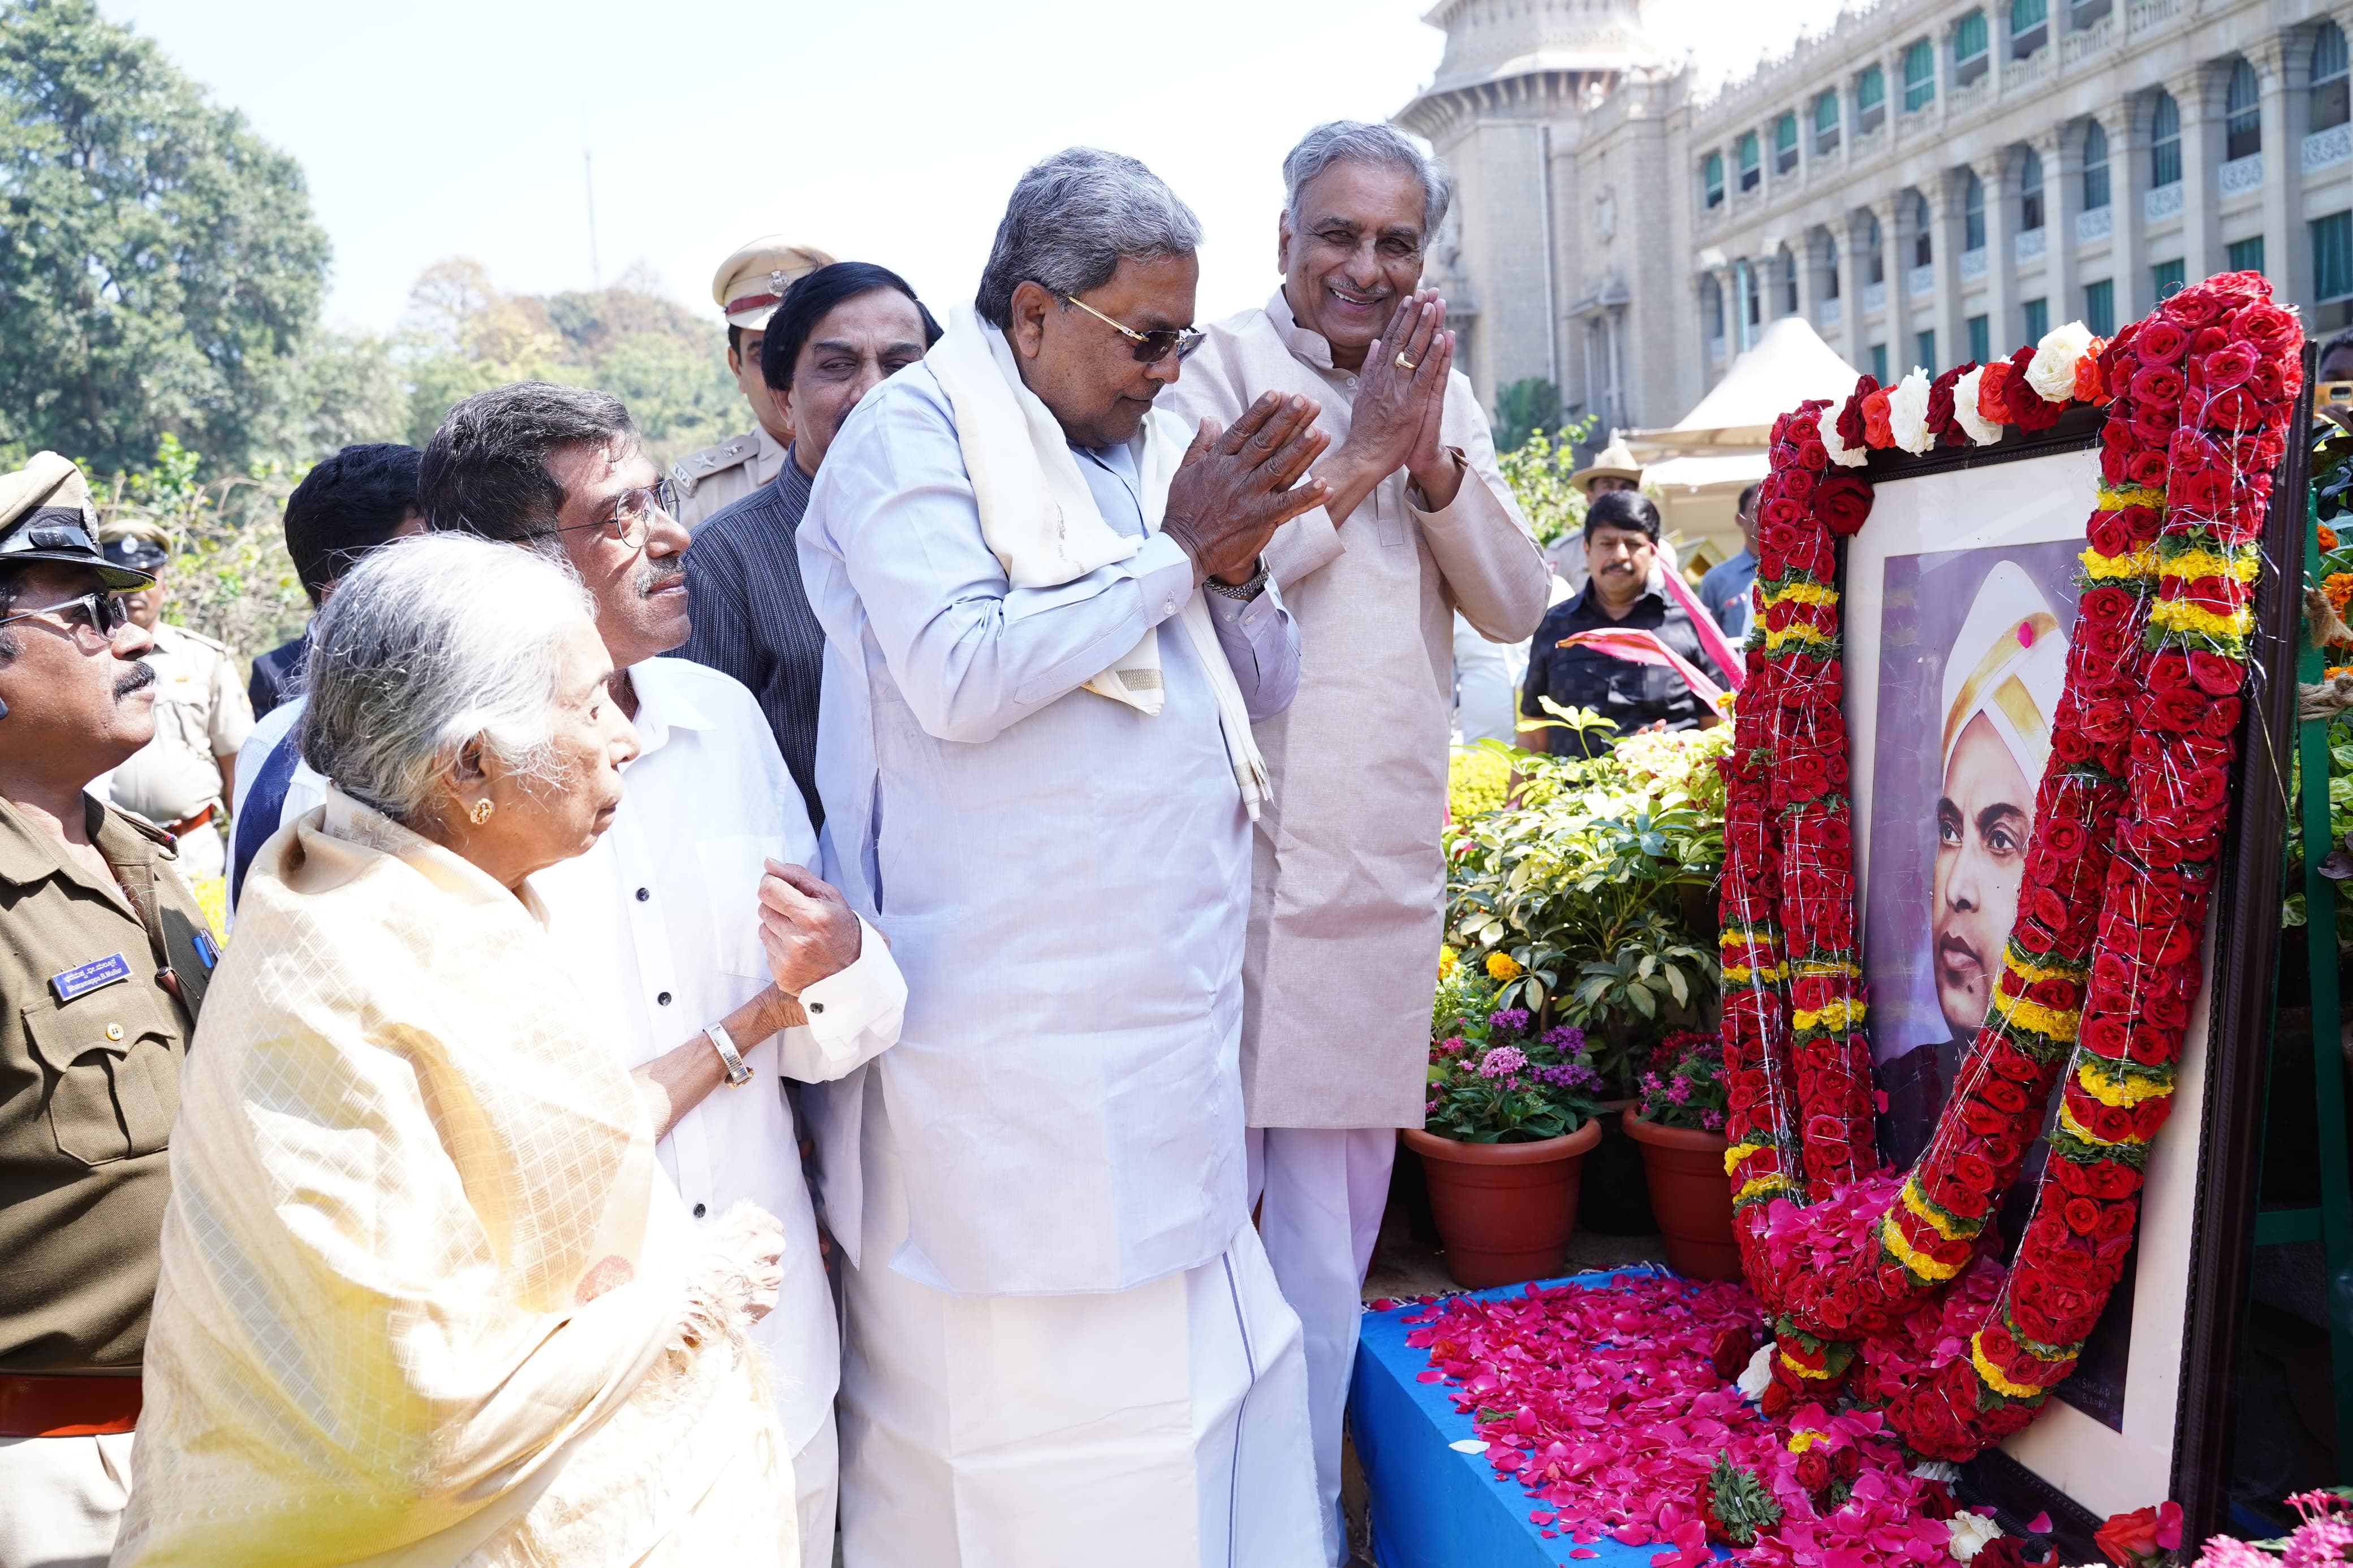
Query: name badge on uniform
x=89 y=977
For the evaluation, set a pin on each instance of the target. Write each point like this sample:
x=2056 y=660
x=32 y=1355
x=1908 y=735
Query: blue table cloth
x=1434 y=1506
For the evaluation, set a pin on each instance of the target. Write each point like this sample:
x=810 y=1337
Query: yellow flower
x=1449 y=961
x=1502 y=966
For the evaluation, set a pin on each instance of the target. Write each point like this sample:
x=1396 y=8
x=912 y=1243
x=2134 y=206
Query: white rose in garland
x=1965 y=409
x=1844 y=456
x=2051 y=372
x=1971 y=1533
x=1907 y=413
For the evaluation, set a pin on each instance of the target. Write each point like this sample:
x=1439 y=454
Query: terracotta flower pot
x=1504 y=1210
x=1617 y=1200
x=1689 y=1193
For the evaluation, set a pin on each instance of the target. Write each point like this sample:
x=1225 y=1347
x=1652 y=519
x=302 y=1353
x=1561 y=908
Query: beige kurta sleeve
x=1494 y=573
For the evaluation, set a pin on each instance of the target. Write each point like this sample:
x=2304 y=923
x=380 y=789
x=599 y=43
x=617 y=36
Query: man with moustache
x=1621 y=542
x=1048 y=633
x=1347 y=886
x=836 y=334
x=102 y=971
x=695 y=915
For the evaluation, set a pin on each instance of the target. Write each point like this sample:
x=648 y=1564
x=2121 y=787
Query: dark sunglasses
x=1150 y=347
x=101 y=610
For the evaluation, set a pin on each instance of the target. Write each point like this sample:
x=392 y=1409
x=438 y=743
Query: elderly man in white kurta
x=1347 y=888
x=1048 y=632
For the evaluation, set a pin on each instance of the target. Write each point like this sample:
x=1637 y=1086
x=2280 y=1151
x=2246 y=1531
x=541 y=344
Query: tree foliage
x=230 y=576
x=160 y=271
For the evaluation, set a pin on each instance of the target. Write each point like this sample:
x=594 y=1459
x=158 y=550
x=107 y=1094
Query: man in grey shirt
x=837 y=333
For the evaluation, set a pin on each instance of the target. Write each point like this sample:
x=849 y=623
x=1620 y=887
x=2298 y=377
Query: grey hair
x=429 y=644
x=1071 y=218
x=1355 y=142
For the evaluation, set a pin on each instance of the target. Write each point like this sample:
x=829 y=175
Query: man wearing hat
x=1614 y=470
x=745 y=287
x=103 y=964
x=183 y=780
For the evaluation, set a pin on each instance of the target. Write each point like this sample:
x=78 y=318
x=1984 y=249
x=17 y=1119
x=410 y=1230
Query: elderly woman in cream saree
x=426 y=1297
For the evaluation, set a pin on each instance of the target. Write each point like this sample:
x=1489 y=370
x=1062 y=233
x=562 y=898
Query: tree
x=1523 y=407
x=159 y=273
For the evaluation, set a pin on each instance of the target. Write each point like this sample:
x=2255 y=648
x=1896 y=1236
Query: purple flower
x=1650 y=1084
x=1502 y=1061
x=1566 y=1038
x=1679 y=1089
x=1712 y=1119
x=1514 y=1020
x=1454 y=1045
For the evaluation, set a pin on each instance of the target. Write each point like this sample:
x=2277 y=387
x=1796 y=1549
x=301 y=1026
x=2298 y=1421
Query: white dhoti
x=61 y=1499
x=1164 y=1426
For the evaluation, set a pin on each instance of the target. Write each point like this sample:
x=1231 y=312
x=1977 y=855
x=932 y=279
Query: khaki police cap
x=45 y=515
x=749 y=283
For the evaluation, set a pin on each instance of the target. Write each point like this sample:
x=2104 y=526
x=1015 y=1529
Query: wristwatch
x=1250 y=590
x=738 y=1075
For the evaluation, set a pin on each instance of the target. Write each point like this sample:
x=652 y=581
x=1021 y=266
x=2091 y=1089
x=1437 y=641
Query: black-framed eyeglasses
x=631 y=513
x=101 y=610
x=1152 y=347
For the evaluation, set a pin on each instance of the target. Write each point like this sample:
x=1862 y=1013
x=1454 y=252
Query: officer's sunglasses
x=1152 y=347
x=100 y=610
x=631 y=513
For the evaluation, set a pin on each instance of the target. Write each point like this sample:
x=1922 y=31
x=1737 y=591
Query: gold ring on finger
x=1403 y=362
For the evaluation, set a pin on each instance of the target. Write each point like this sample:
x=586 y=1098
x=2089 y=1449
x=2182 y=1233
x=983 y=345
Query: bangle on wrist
x=738 y=1075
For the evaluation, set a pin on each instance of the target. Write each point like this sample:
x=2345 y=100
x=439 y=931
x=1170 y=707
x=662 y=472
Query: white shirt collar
x=663 y=705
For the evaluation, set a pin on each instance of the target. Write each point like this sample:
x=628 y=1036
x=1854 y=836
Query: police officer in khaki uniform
x=746 y=288
x=104 y=959
x=183 y=780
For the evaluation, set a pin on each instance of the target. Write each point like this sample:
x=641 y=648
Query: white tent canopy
x=1788 y=365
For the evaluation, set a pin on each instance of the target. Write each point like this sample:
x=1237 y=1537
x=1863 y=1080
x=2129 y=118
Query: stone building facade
x=1927 y=181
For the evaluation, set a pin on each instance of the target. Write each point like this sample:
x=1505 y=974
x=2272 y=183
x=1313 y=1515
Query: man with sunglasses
x=1350 y=885
x=104 y=966
x=695 y=908
x=1048 y=631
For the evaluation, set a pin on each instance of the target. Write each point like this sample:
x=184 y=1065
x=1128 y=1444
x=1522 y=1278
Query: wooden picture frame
x=2168 y=1435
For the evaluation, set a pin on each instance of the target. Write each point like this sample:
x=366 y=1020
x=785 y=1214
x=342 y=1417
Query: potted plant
x=1678 y=1123
x=1509 y=1120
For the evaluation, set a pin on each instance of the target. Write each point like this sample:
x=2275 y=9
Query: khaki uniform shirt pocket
x=112 y=1072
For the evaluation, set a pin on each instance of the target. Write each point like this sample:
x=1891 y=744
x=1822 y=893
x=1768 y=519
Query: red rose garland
x=2101 y=966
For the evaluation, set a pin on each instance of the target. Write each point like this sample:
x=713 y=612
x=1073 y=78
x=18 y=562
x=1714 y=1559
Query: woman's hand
x=808 y=928
x=749 y=1243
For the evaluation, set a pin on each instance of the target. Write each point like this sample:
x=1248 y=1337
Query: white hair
x=429 y=643
x=1355 y=142
x=1068 y=222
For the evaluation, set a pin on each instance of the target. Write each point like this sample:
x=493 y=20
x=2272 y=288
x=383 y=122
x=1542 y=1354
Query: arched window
x=1874 y=249
x=2030 y=26
x=1970 y=56
x=1785 y=273
x=1924 y=248
x=1785 y=144
x=1870 y=101
x=1751 y=165
x=1919 y=76
x=1753 y=306
x=1711 y=304
x=2242 y=119
x=1826 y=124
x=1830 y=266
x=1972 y=211
x=2029 y=190
x=2329 y=104
x=2165 y=142
x=2095 y=167
x=1711 y=179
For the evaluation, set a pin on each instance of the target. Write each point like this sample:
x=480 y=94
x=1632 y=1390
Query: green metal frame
x=2331 y=1223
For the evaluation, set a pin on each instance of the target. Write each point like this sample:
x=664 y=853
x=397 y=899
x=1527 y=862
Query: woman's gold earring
x=481 y=812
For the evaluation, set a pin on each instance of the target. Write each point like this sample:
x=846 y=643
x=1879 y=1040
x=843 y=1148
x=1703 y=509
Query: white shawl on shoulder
x=1041 y=522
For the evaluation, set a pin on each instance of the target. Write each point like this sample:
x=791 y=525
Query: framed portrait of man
x=1960 y=596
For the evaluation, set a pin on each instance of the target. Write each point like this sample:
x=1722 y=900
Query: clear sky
x=885 y=131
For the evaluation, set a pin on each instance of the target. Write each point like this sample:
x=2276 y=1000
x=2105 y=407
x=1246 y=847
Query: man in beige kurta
x=1348 y=889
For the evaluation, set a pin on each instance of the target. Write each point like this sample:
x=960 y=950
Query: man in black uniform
x=103 y=961
x=1622 y=545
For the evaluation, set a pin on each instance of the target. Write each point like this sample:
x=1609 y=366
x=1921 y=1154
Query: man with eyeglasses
x=695 y=910
x=103 y=966
x=183 y=780
x=1048 y=632
x=1348 y=884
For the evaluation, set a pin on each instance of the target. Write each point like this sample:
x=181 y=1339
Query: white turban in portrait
x=2010 y=663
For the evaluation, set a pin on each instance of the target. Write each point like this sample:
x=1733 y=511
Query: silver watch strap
x=738 y=1075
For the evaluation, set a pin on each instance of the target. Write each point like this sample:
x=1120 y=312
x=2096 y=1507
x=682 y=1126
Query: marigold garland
x=2102 y=963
